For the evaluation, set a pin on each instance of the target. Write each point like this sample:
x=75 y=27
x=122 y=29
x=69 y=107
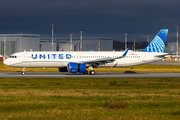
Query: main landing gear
x=23 y=72
x=91 y=72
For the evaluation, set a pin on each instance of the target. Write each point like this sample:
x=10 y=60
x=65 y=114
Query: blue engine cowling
x=76 y=67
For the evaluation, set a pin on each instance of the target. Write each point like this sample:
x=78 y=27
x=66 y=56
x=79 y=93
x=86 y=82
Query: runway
x=97 y=75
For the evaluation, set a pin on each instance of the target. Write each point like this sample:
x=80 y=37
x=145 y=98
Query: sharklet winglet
x=125 y=53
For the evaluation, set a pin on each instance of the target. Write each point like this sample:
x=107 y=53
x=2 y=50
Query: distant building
x=46 y=45
x=88 y=43
x=171 y=48
x=19 y=42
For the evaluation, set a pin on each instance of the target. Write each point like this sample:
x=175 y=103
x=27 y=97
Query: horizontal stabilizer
x=161 y=55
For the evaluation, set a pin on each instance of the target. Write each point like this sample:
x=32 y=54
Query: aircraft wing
x=96 y=63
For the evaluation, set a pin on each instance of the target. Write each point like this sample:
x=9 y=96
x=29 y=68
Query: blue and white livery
x=80 y=61
x=158 y=43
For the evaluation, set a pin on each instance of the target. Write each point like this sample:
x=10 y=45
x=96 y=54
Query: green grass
x=90 y=98
x=138 y=69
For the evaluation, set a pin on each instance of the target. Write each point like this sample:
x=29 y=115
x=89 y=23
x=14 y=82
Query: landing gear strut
x=23 y=72
x=91 y=72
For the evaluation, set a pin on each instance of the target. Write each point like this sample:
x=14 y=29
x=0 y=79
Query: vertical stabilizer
x=158 y=43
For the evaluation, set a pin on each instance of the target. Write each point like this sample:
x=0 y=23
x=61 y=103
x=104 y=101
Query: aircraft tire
x=92 y=72
x=22 y=73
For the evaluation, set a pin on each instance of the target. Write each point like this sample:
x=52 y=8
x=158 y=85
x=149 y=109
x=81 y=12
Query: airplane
x=80 y=61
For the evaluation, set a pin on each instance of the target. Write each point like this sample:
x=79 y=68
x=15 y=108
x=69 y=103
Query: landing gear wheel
x=85 y=72
x=22 y=73
x=92 y=72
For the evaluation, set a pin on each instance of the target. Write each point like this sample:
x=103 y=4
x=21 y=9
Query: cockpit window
x=13 y=56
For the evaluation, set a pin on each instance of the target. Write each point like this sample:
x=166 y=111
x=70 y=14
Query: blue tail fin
x=158 y=43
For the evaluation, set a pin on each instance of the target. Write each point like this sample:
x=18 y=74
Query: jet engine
x=76 y=67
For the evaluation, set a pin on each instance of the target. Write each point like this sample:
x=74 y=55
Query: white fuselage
x=61 y=59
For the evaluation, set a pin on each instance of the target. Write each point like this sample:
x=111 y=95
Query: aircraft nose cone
x=6 y=62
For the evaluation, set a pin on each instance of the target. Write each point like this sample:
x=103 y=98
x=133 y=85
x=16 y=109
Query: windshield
x=13 y=56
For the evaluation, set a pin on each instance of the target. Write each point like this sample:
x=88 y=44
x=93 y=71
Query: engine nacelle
x=63 y=69
x=76 y=67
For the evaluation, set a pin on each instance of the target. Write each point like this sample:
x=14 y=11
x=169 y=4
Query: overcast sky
x=96 y=18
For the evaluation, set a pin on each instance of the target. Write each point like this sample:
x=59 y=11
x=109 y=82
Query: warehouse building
x=171 y=48
x=88 y=43
x=46 y=45
x=19 y=42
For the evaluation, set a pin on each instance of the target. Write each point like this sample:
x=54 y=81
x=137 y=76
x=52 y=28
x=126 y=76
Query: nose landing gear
x=23 y=72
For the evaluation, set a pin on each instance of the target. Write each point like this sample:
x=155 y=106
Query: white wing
x=101 y=61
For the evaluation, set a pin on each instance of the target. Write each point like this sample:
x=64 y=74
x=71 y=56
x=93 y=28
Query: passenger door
x=24 y=57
